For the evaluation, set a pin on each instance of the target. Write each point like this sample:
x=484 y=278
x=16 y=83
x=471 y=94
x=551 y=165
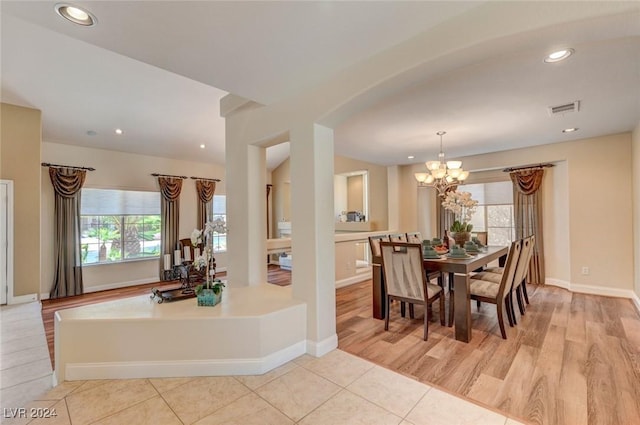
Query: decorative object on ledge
x=210 y=293
x=171 y=295
x=442 y=174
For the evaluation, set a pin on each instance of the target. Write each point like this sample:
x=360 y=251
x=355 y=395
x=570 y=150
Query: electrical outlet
x=585 y=270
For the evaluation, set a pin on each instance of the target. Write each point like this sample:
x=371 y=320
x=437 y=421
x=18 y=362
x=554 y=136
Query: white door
x=4 y=204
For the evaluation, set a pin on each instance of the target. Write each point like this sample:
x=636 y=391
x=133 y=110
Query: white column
x=313 y=243
x=246 y=212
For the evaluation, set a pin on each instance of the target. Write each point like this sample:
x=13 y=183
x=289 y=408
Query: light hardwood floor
x=572 y=359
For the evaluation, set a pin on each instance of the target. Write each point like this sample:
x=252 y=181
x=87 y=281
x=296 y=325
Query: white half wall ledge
x=253 y=330
x=595 y=290
x=172 y=369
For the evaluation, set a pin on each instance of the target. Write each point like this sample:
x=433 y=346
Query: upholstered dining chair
x=414 y=237
x=398 y=237
x=374 y=245
x=494 y=288
x=519 y=282
x=406 y=281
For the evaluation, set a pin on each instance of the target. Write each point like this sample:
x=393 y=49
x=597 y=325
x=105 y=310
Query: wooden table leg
x=463 y=307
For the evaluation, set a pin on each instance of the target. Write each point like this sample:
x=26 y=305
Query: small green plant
x=457 y=226
x=217 y=286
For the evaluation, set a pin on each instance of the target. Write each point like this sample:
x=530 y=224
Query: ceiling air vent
x=564 y=109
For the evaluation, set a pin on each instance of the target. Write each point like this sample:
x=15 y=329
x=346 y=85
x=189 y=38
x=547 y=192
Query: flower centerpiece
x=463 y=207
x=210 y=292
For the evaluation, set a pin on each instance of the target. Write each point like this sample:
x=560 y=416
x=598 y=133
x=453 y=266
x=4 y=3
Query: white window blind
x=119 y=202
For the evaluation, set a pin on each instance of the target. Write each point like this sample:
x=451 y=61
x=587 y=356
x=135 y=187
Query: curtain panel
x=527 y=209
x=444 y=217
x=67 y=280
x=205 y=190
x=170 y=189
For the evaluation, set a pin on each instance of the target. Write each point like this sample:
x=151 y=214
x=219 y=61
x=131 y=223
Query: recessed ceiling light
x=570 y=130
x=119 y=131
x=76 y=14
x=559 y=55
x=201 y=146
x=410 y=157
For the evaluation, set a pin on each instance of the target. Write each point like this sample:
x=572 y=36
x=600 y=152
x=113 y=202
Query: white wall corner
x=319 y=349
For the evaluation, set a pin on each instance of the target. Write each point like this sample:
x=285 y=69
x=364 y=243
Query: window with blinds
x=494 y=214
x=217 y=208
x=119 y=225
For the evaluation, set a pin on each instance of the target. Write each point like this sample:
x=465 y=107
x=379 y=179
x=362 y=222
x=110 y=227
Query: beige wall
x=354 y=193
x=280 y=195
x=118 y=170
x=20 y=162
x=585 y=215
x=636 y=205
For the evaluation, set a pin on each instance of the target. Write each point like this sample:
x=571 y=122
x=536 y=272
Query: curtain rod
x=205 y=179
x=168 y=175
x=527 y=167
x=46 y=164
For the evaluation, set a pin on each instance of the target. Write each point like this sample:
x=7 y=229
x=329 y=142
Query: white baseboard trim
x=168 y=369
x=360 y=277
x=319 y=349
x=594 y=290
x=636 y=301
x=21 y=299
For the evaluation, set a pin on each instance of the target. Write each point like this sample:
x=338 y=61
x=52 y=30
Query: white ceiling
x=159 y=69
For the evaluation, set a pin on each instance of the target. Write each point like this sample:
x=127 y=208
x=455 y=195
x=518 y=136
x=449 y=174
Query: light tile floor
x=337 y=388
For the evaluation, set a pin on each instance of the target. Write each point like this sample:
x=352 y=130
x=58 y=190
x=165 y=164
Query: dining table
x=461 y=269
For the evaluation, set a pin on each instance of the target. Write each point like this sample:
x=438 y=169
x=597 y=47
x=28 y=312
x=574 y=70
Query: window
x=119 y=225
x=218 y=209
x=494 y=214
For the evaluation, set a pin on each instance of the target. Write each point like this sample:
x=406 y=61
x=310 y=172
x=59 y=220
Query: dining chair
x=398 y=237
x=526 y=264
x=494 y=288
x=374 y=245
x=405 y=280
x=413 y=237
x=416 y=237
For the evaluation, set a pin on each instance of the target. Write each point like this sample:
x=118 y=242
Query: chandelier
x=442 y=175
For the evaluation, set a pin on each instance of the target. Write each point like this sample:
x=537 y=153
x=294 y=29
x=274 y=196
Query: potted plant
x=210 y=292
x=463 y=207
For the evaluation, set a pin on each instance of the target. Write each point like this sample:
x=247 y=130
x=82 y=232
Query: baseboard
x=559 y=283
x=21 y=299
x=360 y=277
x=168 y=369
x=594 y=290
x=636 y=301
x=319 y=349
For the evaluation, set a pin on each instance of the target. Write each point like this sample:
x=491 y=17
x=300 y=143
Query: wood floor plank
x=572 y=359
